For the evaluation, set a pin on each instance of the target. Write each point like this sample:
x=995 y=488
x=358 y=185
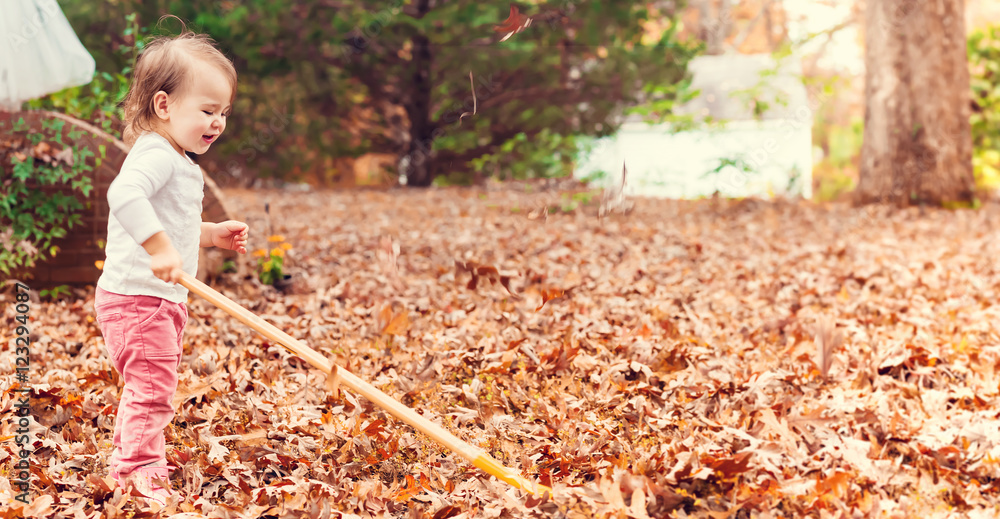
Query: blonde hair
x=165 y=64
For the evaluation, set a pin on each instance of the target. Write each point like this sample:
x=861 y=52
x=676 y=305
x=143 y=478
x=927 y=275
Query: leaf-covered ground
x=712 y=359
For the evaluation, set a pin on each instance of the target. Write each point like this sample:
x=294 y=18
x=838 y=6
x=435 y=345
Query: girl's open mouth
x=208 y=138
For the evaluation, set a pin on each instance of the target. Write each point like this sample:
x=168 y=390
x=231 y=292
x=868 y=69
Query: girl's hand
x=164 y=260
x=231 y=235
x=167 y=265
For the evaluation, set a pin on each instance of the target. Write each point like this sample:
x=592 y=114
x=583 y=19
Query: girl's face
x=193 y=120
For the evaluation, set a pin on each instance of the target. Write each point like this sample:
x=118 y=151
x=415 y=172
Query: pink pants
x=143 y=337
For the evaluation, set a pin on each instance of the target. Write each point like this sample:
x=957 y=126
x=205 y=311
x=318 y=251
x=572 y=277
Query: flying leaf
x=388 y=253
x=489 y=273
x=548 y=294
x=514 y=24
x=613 y=199
x=828 y=339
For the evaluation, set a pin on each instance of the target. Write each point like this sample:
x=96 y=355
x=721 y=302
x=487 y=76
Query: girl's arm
x=129 y=193
x=206 y=234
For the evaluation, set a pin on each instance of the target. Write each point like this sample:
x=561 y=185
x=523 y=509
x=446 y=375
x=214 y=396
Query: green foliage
x=319 y=82
x=725 y=163
x=975 y=203
x=759 y=96
x=546 y=155
x=843 y=145
x=984 y=65
x=835 y=174
x=588 y=146
x=39 y=192
x=736 y=164
x=832 y=187
x=271 y=269
x=98 y=100
x=55 y=292
x=845 y=142
x=271 y=260
x=228 y=266
x=570 y=202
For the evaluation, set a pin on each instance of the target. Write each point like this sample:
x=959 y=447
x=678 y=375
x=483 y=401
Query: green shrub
x=984 y=66
x=545 y=155
x=41 y=179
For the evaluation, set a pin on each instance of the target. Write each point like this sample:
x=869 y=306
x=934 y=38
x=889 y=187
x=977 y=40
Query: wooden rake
x=476 y=456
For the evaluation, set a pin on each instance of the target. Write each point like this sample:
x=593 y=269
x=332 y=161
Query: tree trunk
x=419 y=171
x=917 y=144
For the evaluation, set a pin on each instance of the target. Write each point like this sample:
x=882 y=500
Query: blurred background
x=343 y=93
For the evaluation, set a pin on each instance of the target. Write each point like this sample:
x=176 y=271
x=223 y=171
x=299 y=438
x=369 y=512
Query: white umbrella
x=39 y=52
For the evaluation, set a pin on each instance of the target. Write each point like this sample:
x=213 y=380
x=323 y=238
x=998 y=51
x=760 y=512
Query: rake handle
x=476 y=456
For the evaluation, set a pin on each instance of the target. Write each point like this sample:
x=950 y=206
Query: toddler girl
x=182 y=91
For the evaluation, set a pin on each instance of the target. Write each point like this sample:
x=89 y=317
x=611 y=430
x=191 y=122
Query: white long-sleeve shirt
x=156 y=190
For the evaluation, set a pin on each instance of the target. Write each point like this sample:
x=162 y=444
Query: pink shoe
x=153 y=482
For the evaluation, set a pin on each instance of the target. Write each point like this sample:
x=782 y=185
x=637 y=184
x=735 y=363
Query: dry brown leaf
x=682 y=367
x=398 y=325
